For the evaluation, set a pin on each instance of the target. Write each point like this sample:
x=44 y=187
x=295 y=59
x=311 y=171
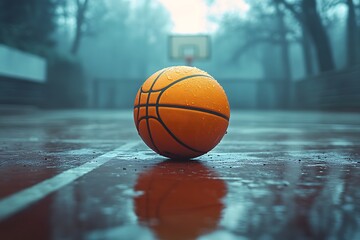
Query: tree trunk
x=285 y=59
x=351 y=34
x=306 y=48
x=284 y=44
x=80 y=17
x=305 y=40
x=319 y=36
x=76 y=42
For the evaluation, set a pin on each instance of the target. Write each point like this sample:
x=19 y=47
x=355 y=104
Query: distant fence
x=22 y=77
x=246 y=94
x=112 y=93
x=17 y=92
x=337 y=90
x=256 y=94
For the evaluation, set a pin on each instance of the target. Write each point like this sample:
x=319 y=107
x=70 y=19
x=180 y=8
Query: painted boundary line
x=22 y=199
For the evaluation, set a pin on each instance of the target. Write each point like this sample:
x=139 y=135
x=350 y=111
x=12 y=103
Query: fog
x=268 y=54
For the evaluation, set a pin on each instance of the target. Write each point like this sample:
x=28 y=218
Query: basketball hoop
x=189 y=48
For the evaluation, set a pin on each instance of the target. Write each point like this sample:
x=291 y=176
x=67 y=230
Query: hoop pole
x=189 y=61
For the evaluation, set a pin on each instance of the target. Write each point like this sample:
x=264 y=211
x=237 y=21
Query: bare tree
x=82 y=6
x=285 y=56
x=309 y=18
x=352 y=36
x=270 y=30
x=318 y=34
x=284 y=44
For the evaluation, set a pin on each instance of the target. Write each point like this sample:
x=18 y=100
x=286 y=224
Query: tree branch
x=292 y=9
x=251 y=43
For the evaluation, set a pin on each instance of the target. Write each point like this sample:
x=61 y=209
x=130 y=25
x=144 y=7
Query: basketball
x=181 y=112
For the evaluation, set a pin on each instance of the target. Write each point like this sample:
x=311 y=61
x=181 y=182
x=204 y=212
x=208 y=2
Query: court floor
x=88 y=175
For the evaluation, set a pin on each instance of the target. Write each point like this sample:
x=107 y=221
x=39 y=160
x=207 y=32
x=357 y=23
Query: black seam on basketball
x=170 y=133
x=138 y=112
x=182 y=79
x=147 y=111
x=198 y=109
x=152 y=85
x=147 y=117
x=176 y=139
x=174 y=82
x=168 y=130
x=158 y=114
x=147 y=105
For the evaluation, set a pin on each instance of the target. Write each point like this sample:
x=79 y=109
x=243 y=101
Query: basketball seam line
x=162 y=122
x=171 y=133
x=158 y=114
x=138 y=112
x=182 y=79
x=173 y=83
x=147 y=110
x=185 y=107
x=147 y=117
x=159 y=119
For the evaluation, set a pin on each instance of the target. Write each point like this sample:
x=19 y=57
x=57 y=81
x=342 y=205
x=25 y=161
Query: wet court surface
x=87 y=175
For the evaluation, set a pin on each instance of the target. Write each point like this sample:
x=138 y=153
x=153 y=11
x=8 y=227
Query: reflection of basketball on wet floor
x=180 y=200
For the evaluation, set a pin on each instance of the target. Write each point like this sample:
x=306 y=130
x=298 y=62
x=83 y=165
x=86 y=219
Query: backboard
x=189 y=47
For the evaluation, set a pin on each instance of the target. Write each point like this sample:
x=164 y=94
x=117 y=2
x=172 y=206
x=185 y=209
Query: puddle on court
x=227 y=196
x=282 y=180
x=244 y=199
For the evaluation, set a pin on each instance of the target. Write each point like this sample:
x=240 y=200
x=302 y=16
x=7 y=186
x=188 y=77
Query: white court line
x=20 y=200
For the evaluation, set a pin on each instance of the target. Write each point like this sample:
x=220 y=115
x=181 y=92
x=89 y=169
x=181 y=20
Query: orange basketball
x=181 y=112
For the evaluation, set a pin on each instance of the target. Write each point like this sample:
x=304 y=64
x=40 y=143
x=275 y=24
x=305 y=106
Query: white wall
x=21 y=65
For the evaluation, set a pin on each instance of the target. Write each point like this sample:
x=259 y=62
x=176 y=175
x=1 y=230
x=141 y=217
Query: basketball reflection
x=180 y=200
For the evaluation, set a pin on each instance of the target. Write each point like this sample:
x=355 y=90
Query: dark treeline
x=28 y=25
x=324 y=34
x=84 y=40
x=31 y=26
x=272 y=25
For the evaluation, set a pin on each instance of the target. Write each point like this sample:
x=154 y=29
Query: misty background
x=267 y=54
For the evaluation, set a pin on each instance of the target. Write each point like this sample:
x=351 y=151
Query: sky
x=192 y=16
